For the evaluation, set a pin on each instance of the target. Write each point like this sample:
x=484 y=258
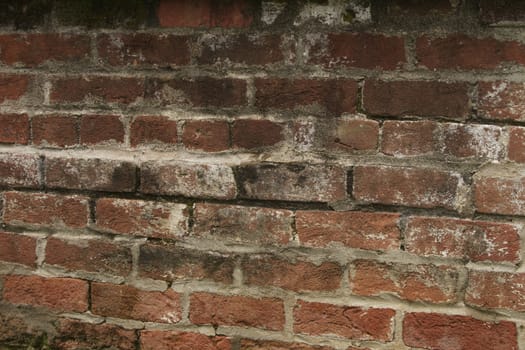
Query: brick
x=409 y=138
x=95 y=129
x=307 y=95
x=248 y=344
x=90 y=174
x=443 y=332
x=96 y=89
x=501 y=100
x=360 y=50
x=18 y=249
x=236 y=310
x=130 y=303
x=31 y=50
x=496 y=290
x=504 y=11
x=73 y=334
x=88 y=255
x=415 y=187
x=13 y=87
x=362 y=230
x=55 y=130
x=257 y=225
x=463 y=52
x=140 y=49
x=292 y=182
x=478 y=141
x=19 y=170
x=500 y=190
x=153 y=130
x=427 y=283
x=356 y=135
x=463 y=239
x=206 y=135
x=267 y=270
x=14 y=128
x=61 y=294
x=188 y=179
x=252 y=133
x=243 y=49
x=169 y=262
x=345 y=321
x=418 y=7
x=21 y=328
x=141 y=218
x=420 y=98
x=516 y=144
x=45 y=210
x=197 y=92
x=207 y=13
x=167 y=340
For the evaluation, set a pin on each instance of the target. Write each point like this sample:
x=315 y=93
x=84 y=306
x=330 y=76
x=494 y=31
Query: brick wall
x=243 y=175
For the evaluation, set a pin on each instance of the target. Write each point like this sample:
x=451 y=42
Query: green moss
x=104 y=13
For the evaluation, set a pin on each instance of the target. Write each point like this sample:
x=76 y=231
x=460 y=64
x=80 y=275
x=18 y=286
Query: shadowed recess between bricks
x=262 y=175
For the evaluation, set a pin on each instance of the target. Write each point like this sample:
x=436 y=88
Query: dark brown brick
x=55 y=130
x=206 y=135
x=14 y=128
x=95 y=129
x=252 y=133
x=153 y=130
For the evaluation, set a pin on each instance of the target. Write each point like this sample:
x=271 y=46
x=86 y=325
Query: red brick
x=345 y=321
x=188 y=179
x=90 y=174
x=127 y=302
x=496 y=290
x=19 y=170
x=45 y=210
x=255 y=225
x=416 y=187
x=197 y=92
x=152 y=130
x=252 y=133
x=97 y=89
x=13 y=87
x=235 y=310
x=247 y=344
x=32 y=50
x=141 y=218
x=96 y=129
x=420 y=98
x=170 y=262
x=18 y=249
x=356 y=135
x=88 y=255
x=206 y=135
x=168 y=340
x=427 y=283
x=504 y=11
x=55 y=130
x=207 y=13
x=244 y=49
x=479 y=141
x=139 y=49
x=266 y=270
x=500 y=190
x=409 y=138
x=375 y=231
x=14 y=128
x=516 y=146
x=462 y=239
x=462 y=52
x=73 y=334
x=308 y=95
x=292 y=182
x=501 y=100
x=61 y=294
x=445 y=332
x=360 y=50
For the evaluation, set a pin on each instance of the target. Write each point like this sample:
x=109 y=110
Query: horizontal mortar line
x=270 y=71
